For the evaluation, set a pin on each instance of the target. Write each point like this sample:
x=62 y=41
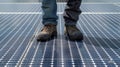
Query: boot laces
x=48 y=28
x=73 y=28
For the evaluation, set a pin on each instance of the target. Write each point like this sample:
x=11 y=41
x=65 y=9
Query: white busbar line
x=61 y=3
x=59 y=12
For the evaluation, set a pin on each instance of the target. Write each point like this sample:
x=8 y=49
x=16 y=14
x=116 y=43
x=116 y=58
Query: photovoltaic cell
x=100 y=47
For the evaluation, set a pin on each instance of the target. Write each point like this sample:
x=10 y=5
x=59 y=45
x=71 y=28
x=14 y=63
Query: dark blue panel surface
x=100 y=47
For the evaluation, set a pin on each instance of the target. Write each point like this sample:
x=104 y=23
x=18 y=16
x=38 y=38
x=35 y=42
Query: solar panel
x=100 y=47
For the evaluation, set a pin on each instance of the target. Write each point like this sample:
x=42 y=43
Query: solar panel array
x=99 y=23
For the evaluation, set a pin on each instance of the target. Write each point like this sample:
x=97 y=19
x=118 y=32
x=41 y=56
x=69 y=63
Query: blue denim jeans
x=71 y=13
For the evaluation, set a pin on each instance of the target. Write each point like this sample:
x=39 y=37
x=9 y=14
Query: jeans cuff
x=53 y=23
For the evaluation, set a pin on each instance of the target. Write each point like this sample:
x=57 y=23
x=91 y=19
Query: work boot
x=73 y=33
x=47 y=33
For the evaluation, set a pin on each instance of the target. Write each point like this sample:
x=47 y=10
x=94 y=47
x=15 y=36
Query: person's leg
x=49 y=8
x=72 y=11
x=49 y=18
x=71 y=16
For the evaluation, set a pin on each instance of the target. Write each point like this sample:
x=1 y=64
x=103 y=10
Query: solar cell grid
x=100 y=47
